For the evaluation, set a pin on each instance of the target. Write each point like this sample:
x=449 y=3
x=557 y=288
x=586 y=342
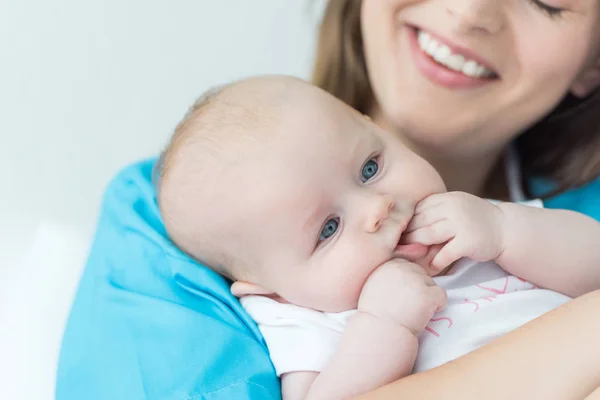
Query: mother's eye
x=547 y=9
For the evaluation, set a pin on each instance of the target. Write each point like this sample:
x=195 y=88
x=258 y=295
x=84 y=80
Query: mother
x=507 y=107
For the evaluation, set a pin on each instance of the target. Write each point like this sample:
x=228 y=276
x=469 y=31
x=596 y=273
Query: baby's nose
x=378 y=212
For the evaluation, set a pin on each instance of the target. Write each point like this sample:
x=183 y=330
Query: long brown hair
x=563 y=147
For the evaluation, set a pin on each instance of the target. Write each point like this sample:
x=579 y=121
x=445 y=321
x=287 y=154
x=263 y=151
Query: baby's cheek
x=318 y=290
x=350 y=287
x=352 y=276
x=334 y=294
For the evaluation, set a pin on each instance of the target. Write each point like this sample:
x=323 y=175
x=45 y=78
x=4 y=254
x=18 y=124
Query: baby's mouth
x=410 y=251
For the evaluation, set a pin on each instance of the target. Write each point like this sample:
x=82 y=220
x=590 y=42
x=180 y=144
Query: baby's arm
x=554 y=249
x=371 y=353
x=379 y=344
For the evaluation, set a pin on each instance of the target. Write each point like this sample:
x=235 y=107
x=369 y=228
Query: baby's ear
x=588 y=81
x=241 y=288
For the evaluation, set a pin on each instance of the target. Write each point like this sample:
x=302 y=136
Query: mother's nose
x=377 y=211
x=483 y=16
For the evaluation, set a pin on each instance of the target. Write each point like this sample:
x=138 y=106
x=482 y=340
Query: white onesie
x=484 y=302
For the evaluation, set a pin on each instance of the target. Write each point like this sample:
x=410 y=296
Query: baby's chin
x=331 y=307
x=277 y=298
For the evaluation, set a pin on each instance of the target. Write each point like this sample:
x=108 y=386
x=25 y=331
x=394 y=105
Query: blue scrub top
x=150 y=323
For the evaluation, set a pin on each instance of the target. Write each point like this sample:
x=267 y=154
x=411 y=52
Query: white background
x=87 y=87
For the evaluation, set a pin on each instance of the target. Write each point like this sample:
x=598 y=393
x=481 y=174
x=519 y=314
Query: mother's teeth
x=470 y=68
x=431 y=47
x=457 y=62
x=441 y=53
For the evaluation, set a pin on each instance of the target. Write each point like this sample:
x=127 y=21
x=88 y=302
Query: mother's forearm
x=556 y=356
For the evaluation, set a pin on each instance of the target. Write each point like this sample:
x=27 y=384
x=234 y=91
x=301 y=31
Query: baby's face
x=327 y=201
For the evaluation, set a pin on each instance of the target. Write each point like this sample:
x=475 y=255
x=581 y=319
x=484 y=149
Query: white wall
x=88 y=86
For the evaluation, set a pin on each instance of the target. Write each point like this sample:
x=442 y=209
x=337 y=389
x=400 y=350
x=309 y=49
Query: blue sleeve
x=150 y=323
x=585 y=199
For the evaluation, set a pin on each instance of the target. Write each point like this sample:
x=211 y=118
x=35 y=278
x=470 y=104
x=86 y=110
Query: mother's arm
x=556 y=356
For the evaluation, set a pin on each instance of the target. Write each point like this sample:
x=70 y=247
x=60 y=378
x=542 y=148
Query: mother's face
x=470 y=74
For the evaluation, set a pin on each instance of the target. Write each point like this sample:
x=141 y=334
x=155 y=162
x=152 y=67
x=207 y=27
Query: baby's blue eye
x=369 y=170
x=329 y=229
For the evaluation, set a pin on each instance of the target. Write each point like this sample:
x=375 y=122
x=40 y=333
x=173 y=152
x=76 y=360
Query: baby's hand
x=467 y=225
x=401 y=292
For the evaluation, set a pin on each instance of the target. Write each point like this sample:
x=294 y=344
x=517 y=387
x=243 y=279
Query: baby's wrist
x=376 y=321
x=509 y=215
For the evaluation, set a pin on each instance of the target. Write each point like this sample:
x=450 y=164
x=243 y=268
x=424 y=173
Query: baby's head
x=289 y=192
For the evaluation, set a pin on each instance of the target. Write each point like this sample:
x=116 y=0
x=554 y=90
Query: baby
x=331 y=230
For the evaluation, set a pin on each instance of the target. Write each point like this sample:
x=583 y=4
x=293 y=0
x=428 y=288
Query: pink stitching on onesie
x=494 y=290
x=467 y=301
x=432 y=331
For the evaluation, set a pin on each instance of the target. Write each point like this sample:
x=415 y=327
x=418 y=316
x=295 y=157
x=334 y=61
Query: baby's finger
x=424 y=218
x=439 y=297
x=428 y=259
x=451 y=252
x=437 y=233
x=431 y=201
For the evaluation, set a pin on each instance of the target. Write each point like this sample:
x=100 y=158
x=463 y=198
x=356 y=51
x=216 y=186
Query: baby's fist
x=402 y=292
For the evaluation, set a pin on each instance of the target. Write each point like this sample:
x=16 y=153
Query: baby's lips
x=412 y=252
